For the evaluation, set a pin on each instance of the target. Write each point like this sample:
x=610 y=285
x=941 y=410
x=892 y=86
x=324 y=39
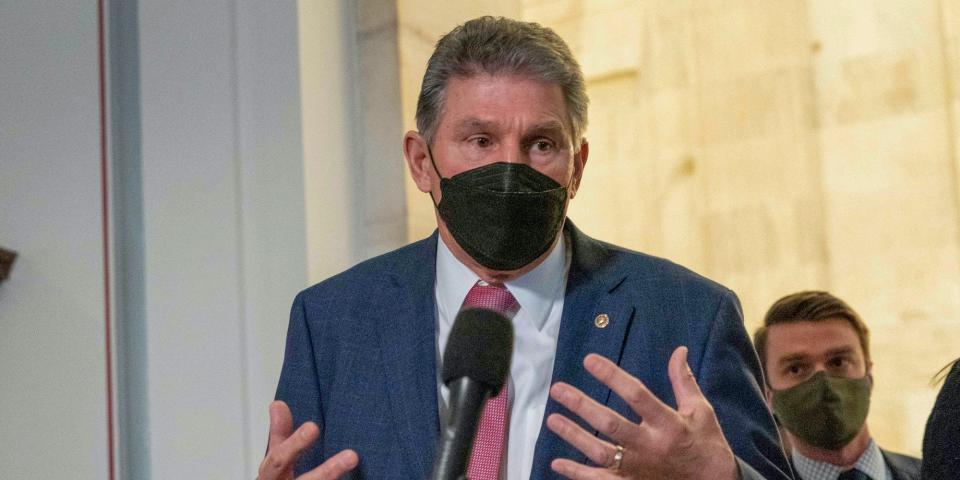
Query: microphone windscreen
x=479 y=347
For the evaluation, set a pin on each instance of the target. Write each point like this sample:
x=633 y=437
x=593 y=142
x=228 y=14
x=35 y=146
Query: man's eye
x=795 y=370
x=543 y=146
x=837 y=362
x=480 y=141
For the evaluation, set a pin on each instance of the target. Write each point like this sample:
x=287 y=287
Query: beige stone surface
x=773 y=146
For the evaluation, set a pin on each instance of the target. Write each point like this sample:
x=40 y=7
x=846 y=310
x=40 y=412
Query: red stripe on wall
x=105 y=225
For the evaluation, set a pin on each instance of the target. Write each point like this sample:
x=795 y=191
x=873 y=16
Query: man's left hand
x=685 y=443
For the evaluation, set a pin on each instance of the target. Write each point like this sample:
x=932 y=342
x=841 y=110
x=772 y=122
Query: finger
x=607 y=421
x=685 y=387
x=281 y=423
x=640 y=399
x=576 y=471
x=334 y=467
x=281 y=457
x=598 y=451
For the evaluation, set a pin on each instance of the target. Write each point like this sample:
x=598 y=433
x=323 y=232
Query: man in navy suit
x=625 y=365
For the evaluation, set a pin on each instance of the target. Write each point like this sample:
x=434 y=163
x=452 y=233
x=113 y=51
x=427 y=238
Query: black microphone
x=476 y=363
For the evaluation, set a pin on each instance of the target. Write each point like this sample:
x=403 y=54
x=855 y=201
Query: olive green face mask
x=825 y=412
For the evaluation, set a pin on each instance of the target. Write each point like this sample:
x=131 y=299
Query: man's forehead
x=811 y=338
x=485 y=101
x=509 y=89
x=492 y=123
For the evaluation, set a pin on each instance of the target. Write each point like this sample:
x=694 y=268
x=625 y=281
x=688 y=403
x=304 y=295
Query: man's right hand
x=285 y=446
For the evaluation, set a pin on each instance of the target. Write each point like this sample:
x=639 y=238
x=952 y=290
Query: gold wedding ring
x=617 y=458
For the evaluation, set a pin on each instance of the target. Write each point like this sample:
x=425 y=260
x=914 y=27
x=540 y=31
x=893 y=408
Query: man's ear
x=418 y=160
x=579 y=163
x=870 y=373
x=768 y=396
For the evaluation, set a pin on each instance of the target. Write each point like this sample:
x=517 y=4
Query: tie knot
x=853 y=474
x=492 y=296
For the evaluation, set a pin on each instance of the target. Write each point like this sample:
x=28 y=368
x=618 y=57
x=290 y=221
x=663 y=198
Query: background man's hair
x=497 y=45
x=809 y=306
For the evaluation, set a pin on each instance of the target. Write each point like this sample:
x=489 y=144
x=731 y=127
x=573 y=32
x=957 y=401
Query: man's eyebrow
x=552 y=128
x=792 y=358
x=473 y=124
x=802 y=356
x=839 y=351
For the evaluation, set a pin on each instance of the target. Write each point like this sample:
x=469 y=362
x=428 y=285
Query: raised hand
x=686 y=443
x=285 y=445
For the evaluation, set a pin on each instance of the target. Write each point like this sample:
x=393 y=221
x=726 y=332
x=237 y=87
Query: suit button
x=602 y=320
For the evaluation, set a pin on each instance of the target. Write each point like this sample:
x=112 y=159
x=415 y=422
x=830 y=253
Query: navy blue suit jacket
x=361 y=354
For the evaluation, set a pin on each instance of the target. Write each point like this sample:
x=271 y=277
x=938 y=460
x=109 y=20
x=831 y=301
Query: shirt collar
x=535 y=290
x=870 y=462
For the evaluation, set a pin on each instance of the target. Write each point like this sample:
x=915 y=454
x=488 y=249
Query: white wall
x=53 y=414
x=261 y=168
x=223 y=155
x=224 y=241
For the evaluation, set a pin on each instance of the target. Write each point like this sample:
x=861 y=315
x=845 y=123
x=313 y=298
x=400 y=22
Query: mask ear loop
x=430 y=152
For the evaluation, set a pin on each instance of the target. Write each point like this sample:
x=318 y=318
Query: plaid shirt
x=871 y=463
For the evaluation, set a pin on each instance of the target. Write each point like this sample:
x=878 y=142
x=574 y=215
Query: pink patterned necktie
x=487 y=454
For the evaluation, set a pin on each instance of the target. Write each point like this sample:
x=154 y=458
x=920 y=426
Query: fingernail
x=590 y=361
x=686 y=357
x=559 y=391
x=350 y=460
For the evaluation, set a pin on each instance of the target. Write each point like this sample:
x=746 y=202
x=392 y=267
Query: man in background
x=815 y=353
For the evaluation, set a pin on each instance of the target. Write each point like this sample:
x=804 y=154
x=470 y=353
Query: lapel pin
x=602 y=320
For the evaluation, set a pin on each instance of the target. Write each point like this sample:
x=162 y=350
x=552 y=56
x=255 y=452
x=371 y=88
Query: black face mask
x=504 y=215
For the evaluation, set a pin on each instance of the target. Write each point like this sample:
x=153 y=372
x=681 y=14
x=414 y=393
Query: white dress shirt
x=536 y=326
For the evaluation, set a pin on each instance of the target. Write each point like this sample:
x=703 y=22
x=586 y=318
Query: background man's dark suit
x=361 y=355
x=902 y=466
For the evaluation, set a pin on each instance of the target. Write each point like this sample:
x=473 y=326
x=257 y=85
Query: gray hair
x=497 y=46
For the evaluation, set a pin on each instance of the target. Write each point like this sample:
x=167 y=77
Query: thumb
x=685 y=388
x=281 y=423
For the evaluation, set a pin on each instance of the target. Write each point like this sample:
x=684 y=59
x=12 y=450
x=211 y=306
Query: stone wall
x=773 y=146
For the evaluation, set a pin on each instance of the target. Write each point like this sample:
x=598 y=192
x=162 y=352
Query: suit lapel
x=903 y=468
x=408 y=346
x=592 y=290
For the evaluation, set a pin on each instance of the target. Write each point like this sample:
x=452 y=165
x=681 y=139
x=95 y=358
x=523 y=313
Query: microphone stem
x=459 y=429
